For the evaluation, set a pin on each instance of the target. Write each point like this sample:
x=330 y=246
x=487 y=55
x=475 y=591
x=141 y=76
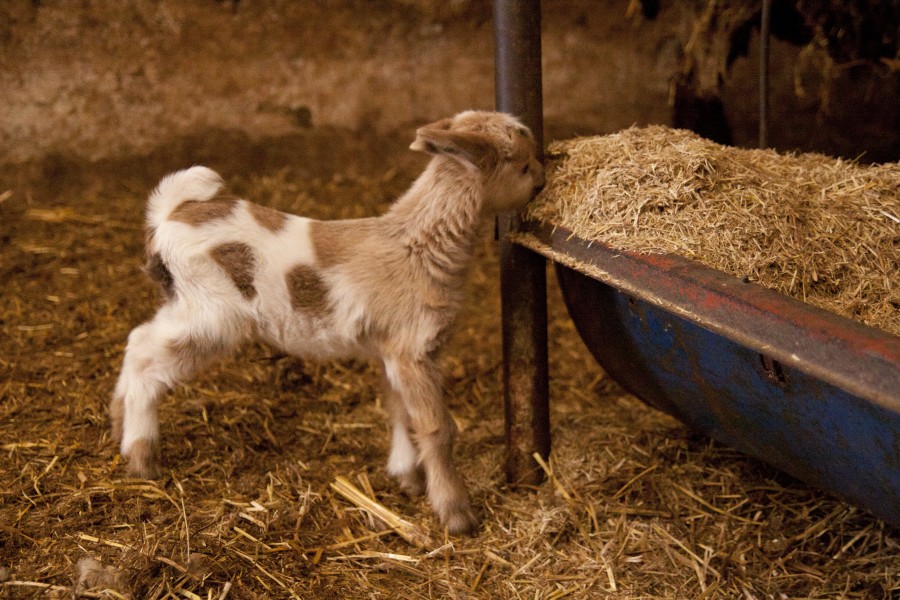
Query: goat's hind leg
x=144 y=377
x=159 y=354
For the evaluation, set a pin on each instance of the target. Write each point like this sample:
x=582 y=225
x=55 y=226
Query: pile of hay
x=822 y=230
x=274 y=483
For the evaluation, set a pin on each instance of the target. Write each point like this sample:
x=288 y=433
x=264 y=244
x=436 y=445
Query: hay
x=637 y=508
x=822 y=230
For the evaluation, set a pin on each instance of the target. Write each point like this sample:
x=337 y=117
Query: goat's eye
x=525 y=169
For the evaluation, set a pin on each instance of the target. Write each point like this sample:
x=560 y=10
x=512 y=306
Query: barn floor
x=639 y=507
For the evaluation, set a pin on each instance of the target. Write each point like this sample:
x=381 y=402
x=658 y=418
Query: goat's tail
x=197 y=183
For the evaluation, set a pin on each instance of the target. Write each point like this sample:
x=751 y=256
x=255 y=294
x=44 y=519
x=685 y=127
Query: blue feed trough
x=812 y=393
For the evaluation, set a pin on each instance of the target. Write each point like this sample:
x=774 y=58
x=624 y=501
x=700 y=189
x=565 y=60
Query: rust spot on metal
x=773 y=370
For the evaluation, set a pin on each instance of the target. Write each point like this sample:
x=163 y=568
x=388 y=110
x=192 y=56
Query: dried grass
x=636 y=507
x=822 y=230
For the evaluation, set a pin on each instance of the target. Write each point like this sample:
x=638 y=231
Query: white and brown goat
x=386 y=288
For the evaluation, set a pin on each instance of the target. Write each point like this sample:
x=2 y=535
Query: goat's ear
x=438 y=138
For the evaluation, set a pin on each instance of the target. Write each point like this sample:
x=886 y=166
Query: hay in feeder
x=822 y=230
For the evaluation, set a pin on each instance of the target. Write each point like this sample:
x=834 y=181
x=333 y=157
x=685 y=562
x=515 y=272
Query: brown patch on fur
x=308 y=292
x=329 y=247
x=239 y=263
x=196 y=213
x=271 y=219
x=157 y=271
x=154 y=266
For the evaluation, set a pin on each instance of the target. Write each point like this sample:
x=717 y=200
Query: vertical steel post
x=523 y=274
x=765 y=25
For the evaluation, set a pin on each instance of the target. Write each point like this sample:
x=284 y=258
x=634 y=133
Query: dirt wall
x=107 y=77
x=102 y=78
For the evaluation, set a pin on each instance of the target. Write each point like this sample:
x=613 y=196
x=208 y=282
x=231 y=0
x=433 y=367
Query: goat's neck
x=439 y=219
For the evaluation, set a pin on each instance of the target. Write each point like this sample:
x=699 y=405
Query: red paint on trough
x=738 y=295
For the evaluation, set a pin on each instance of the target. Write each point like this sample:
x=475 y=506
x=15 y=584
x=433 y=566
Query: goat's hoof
x=461 y=522
x=412 y=483
x=142 y=460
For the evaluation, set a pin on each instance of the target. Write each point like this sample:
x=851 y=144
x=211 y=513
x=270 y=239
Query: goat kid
x=385 y=288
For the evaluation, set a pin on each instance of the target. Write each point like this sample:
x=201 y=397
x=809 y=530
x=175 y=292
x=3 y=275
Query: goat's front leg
x=403 y=461
x=416 y=386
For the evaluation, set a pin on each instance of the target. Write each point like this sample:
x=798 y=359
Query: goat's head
x=497 y=145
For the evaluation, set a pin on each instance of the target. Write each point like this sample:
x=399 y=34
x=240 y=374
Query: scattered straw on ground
x=822 y=230
x=274 y=482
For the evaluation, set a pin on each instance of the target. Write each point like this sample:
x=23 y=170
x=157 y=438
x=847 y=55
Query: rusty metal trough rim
x=859 y=359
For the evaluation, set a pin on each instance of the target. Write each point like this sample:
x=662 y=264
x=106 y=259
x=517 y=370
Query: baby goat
x=385 y=288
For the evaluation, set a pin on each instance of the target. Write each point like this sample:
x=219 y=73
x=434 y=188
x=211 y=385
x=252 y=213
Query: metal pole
x=523 y=274
x=764 y=27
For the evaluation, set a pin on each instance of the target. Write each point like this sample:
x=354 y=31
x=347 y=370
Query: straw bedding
x=822 y=230
x=274 y=485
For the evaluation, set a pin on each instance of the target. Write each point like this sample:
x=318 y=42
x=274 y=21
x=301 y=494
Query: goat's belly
x=312 y=338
